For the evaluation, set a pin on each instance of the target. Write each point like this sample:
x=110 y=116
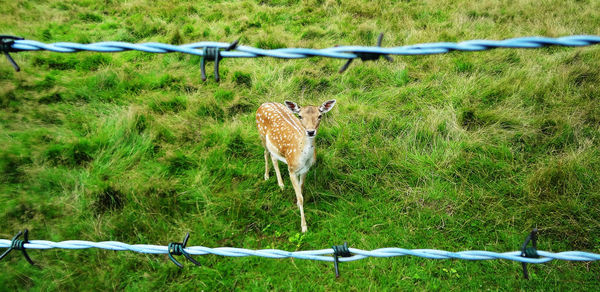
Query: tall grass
x=458 y=151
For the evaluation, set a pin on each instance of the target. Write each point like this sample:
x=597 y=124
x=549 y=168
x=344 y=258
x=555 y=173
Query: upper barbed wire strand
x=340 y=52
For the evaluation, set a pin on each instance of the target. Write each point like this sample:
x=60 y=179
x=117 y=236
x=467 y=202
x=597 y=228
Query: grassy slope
x=458 y=151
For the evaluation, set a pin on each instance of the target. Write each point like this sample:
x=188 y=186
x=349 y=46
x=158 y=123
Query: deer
x=291 y=140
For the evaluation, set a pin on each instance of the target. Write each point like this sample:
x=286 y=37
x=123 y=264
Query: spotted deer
x=290 y=139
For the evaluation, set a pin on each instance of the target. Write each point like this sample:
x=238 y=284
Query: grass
x=458 y=151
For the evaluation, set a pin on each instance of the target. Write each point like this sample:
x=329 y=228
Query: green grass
x=461 y=151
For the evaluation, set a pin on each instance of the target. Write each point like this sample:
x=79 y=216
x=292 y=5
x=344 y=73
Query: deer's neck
x=308 y=142
x=308 y=145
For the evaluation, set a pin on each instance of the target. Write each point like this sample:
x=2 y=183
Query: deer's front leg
x=276 y=166
x=299 y=198
x=266 y=164
x=302 y=177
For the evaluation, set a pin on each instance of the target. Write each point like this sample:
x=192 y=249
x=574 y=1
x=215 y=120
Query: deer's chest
x=300 y=158
x=306 y=159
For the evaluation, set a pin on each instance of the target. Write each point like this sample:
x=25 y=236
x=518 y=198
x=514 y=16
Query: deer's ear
x=327 y=106
x=292 y=106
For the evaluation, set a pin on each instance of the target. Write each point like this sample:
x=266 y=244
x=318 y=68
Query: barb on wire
x=178 y=248
x=6 y=46
x=529 y=252
x=368 y=56
x=214 y=53
x=19 y=244
x=339 y=251
x=218 y=50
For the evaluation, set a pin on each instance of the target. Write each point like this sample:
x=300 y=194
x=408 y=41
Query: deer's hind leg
x=276 y=166
x=266 y=164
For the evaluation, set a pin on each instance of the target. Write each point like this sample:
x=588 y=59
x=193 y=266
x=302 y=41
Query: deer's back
x=280 y=128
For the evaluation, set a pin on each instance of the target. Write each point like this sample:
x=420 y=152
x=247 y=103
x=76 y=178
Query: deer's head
x=310 y=116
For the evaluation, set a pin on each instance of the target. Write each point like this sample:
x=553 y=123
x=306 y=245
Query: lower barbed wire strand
x=320 y=255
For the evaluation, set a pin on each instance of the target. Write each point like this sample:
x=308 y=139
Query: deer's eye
x=320 y=116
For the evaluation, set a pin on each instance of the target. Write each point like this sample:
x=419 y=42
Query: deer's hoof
x=281 y=186
x=266 y=177
x=304 y=229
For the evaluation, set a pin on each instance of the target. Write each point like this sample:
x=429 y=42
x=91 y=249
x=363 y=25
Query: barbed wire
x=340 y=52
x=218 y=50
x=318 y=255
x=339 y=253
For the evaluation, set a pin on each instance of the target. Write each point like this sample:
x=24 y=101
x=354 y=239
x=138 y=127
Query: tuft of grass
x=90 y=17
x=223 y=95
x=179 y=162
x=242 y=79
x=108 y=199
x=12 y=167
x=211 y=110
x=269 y=43
x=71 y=154
x=93 y=62
x=173 y=104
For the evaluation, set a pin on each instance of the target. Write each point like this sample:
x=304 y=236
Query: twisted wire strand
x=340 y=52
x=318 y=255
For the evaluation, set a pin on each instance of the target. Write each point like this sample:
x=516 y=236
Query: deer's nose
x=311 y=133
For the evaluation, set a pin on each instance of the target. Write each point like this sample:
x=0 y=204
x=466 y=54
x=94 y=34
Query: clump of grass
x=9 y=99
x=211 y=110
x=51 y=97
x=173 y=104
x=108 y=199
x=78 y=153
x=222 y=95
x=93 y=62
x=242 y=79
x=269 y=43
x=567 y=176
x=565 y=189
x=12 y=167
x=176 y=38
x=59 y=62
x=178 y=163
x=90 y=17
x=236 y=146
x=241 y=107
x=306 y=84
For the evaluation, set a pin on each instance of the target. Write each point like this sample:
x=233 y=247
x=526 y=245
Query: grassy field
x=459 y=151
